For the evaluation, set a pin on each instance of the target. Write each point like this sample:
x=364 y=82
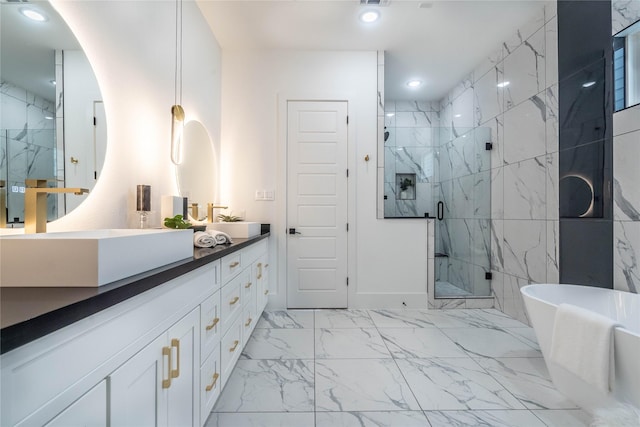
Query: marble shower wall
x=522 y=118
x=626 y=174
x=410 y=129
x=27 y=145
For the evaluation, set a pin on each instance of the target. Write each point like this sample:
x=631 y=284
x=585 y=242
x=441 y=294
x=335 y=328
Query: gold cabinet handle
x=166 y=351
x=235 y=345
x=74 y=160
x=233 y=301
x=259 y=276
x=248 y=322
x=248 y=285
x=213 y=384
x=234 y=264
x=213 y=324
x=175 y=373
x=266 y=292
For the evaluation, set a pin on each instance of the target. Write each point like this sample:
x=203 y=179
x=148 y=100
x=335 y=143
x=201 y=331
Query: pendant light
x=177 y=112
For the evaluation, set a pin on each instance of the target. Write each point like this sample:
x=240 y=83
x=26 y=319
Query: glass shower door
x=463 y=207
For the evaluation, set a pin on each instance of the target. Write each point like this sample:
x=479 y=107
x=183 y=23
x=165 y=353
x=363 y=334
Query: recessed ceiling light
x=33 y=14
x=369 y=16
x=503 y=84
x=588 y=84
x=457 y=115
x=391 y=114
x=414 y=83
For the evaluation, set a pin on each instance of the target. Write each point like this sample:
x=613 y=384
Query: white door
x=317 y=204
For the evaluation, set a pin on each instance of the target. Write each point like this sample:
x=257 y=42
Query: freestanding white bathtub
x=541 y=301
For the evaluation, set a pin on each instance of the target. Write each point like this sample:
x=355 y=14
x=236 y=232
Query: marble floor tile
x=526 y=335
x=520 y=418
x=260 y=419
x=485 y=342
x=362 y=385
x=486 y=318
x=564 y=418
x=454 y=384
x=372 y=419
x=528 y=380
x=268 y=385
x=329 y=319
x=419 y=343
x=443 y=318
x=352 y=343
x=279 y=344
x=401 y=319
x=296 y=319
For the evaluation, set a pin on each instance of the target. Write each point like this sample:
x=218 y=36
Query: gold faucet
x=35 y=203
x=210 y=208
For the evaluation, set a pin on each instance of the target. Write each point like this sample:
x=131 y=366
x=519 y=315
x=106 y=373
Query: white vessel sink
x=239 y=230
x=88 y=258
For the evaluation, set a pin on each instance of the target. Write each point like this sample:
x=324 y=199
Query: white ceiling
x=438 y=41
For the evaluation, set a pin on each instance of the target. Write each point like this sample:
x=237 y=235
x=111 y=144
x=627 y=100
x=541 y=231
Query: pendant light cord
x=178 y=64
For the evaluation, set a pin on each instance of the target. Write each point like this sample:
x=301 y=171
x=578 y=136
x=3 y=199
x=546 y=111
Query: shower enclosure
x=442 y=173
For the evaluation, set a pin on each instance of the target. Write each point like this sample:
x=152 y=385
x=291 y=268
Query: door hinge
x=347 y=281
x=95 y=174
x=347 y=226
x=347 y=119
x=347 y=173
x=95 y=121
x=488 y=146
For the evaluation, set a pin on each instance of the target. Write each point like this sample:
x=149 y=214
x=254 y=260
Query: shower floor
x=448 y=290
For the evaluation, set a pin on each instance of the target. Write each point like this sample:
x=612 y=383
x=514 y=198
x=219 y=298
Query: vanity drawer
x=249 y=287
x=230 y=349
x=210 y=327
x=230 y=266
x=230 y=303
x=249 y=320
x=251 y=253
x=210 y=384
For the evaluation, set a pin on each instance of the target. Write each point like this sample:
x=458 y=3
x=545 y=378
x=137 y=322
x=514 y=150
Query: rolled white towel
x=221 y=237
x=202 y=239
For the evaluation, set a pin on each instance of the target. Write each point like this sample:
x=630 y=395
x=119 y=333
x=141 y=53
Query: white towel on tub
x=582 y=343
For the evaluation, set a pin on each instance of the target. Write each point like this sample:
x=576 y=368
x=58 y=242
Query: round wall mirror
x=196 y=172
x=52 y=122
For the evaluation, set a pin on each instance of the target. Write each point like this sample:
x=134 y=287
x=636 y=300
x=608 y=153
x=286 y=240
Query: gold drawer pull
x=259 y=276
x=235 y=300
x=175 y=373
x=213 y=384
x=248 y=285
x=213 y=324
x=166 y=351
x=248 y=322
x=266 y=292
x=234 y=264
x=259 y=265
x=235 y=345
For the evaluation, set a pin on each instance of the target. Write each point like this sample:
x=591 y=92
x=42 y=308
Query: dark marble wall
x=586 y=134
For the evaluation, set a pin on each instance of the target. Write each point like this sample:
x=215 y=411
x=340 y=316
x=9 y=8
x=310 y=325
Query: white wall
x=81 y=90
x=387 y=258
x=131 y=48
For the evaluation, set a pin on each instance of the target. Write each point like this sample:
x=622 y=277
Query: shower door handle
x=440 y=211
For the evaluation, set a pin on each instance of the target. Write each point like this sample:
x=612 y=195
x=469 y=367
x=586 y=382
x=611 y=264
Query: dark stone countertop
x=27 y=314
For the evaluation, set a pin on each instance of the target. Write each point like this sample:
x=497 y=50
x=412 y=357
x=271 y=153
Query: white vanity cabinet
x=160 y=357
x=159 y=385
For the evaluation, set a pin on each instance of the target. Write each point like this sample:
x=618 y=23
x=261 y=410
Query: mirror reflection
x=626 y=67
x=52 y=122
x=196 y=173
